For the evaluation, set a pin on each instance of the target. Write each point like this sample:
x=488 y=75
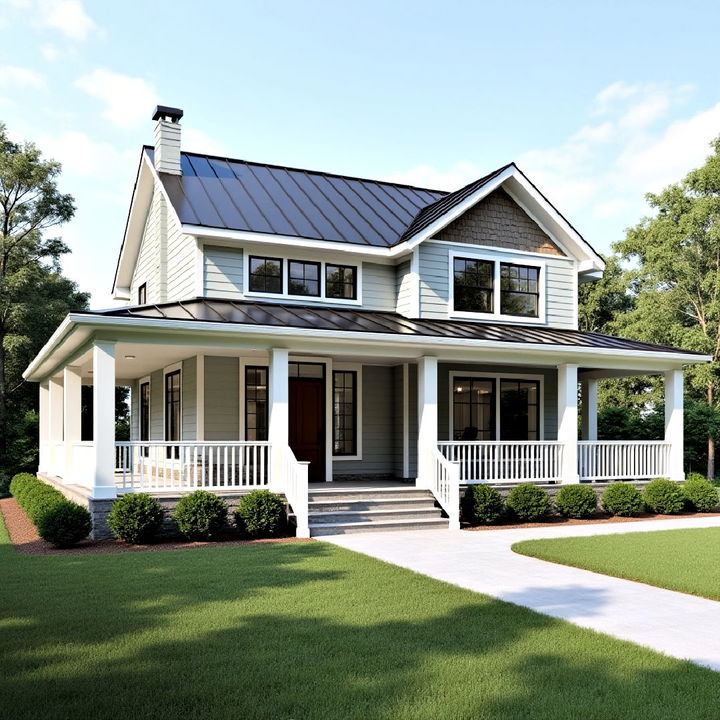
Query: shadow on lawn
x=184 y=635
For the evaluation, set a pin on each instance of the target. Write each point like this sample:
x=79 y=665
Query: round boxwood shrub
x=260 y=513
x=528 y=502
x=623 y=500
x=576 y=501
x=135 y=518
x=482 y=504
x=64 y=524
x=664 y=496
x=700 y=494
x=200 y=515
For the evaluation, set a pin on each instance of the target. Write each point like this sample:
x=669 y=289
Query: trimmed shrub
x=623 y=500
x=34 y=496
x=200 y=515
x=700 y=494
x=528 y=502
x=135 y=518
x=664 y=496
x=695 y=476
x=576 y=501
x=64 y=524
x=260 y=513
x=482 y=504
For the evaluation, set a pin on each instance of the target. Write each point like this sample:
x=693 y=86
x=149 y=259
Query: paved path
x=680 y=625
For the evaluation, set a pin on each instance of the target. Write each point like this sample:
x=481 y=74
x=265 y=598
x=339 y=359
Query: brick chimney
x=167 y=139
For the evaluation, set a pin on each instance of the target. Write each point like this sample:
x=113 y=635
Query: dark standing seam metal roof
x=367 y=321
x=232 y=194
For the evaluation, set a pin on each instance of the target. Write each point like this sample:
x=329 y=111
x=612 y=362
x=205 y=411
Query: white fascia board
x=121 y=293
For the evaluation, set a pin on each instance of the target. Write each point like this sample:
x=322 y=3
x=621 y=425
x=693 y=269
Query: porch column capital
x=567 y=421
x=104 y=418
x=674 y=423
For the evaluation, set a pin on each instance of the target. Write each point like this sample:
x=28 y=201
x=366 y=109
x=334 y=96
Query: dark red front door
x=307 y=424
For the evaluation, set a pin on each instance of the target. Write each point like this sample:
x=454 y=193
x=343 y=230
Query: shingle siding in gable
x=497 y=221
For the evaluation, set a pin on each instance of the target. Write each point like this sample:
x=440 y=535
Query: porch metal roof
x=366 y=321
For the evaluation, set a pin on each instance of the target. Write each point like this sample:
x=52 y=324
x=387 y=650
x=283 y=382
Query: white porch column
x=55 y=425
x=674 y=423
x=278 y=421
x=104 y=418
x=567 y=421
x=44 y=429
x=72 y=381
x=589 y=408
x=427 y=418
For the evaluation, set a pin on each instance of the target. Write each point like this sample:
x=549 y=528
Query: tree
x=675 y=260
x=34 y=296
x=601 y=301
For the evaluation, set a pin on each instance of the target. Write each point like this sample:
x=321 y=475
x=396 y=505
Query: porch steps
x=353 y=510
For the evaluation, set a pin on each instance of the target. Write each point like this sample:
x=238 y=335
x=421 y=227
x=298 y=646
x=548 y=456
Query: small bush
x=623 y=500
x=64 y=524
x=528 y=502
x=576 y=501
x=700 y=494
x=664 y=496
x=695 y=476
x=135 y=518
x=482 y=504
x=200 y=515
x=34 y=496
x=260 y=513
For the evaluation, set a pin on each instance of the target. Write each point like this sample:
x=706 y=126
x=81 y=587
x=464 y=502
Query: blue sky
x=597 y=102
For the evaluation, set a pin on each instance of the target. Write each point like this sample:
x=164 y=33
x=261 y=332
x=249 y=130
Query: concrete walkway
x=680 y=625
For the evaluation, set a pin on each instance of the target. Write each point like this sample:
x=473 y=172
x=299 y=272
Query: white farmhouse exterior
x=285 y=327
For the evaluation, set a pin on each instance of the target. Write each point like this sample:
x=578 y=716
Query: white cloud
x=128 y=101
x=429 y=177
x=51 y=53
x=81 y=156
x=69 y=17
x=15 y=76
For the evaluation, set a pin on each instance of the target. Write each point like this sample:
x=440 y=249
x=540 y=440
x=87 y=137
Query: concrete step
x=361 y=516
x=371 y=503
x=349 y=494
x=377 y=526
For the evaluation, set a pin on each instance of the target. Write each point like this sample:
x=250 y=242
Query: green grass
x=684 y=560
x=304 y=631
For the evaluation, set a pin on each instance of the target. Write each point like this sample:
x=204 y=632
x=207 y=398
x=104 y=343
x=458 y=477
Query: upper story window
x=304 y=278
x=266 y=275
x=496 y=288
x=340 y=282
x=142 y=294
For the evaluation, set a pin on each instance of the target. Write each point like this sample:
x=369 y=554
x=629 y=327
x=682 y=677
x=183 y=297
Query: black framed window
x=256 y=403
x=473 y=408
x=519 y=290
x=473 y=285
x=266 y=274
x=519 y=410
x=344 y=412
x=341 y=282
x=303 y=278
x=172 y=410
x=142 y=294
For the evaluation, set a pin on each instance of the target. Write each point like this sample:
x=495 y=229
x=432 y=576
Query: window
x=142 y=294
x=473 y=285
x=473 y=409
x=306 y=370
x=519 y=290
x=256 y=403
x=266 y=275
x=304 y=278
x=519 y=410
x=172 y=411
x=340 y=282
x=344 y=404
x=145 y=414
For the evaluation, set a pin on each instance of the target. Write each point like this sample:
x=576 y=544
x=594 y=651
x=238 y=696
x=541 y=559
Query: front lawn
x=684 y=560
x=304 y=631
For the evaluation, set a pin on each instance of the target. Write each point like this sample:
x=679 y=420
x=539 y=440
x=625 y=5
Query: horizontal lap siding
x=181 y=259
x=135 y=410
x=404 y=289
x=222 y=398
x=378 y=287
x=147 y=266
x=223 y=272
x=189 y=399
x=157 y=411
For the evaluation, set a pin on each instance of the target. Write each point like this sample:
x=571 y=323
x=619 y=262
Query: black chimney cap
x=163 y=111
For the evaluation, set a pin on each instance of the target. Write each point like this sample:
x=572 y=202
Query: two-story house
x=284 y=326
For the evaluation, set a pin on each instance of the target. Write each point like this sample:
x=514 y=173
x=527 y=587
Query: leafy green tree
x=601 y=301
x=34 y=296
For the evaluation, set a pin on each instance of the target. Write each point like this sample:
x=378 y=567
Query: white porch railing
x=158 y=466
x=445 y=486
x=505 y=461
x=623 y=459
x=294 y=479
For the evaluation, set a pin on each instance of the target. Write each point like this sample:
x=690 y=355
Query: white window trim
x=285 y=294
x=147 y=379
x=166 y=371
x=357 y=368
x=496 y=377
x=497 y=260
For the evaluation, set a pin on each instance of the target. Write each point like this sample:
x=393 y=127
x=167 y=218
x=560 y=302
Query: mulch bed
x=599 y=518
x=24 y=536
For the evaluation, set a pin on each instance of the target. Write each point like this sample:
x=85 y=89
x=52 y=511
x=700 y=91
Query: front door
x=307 y=424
